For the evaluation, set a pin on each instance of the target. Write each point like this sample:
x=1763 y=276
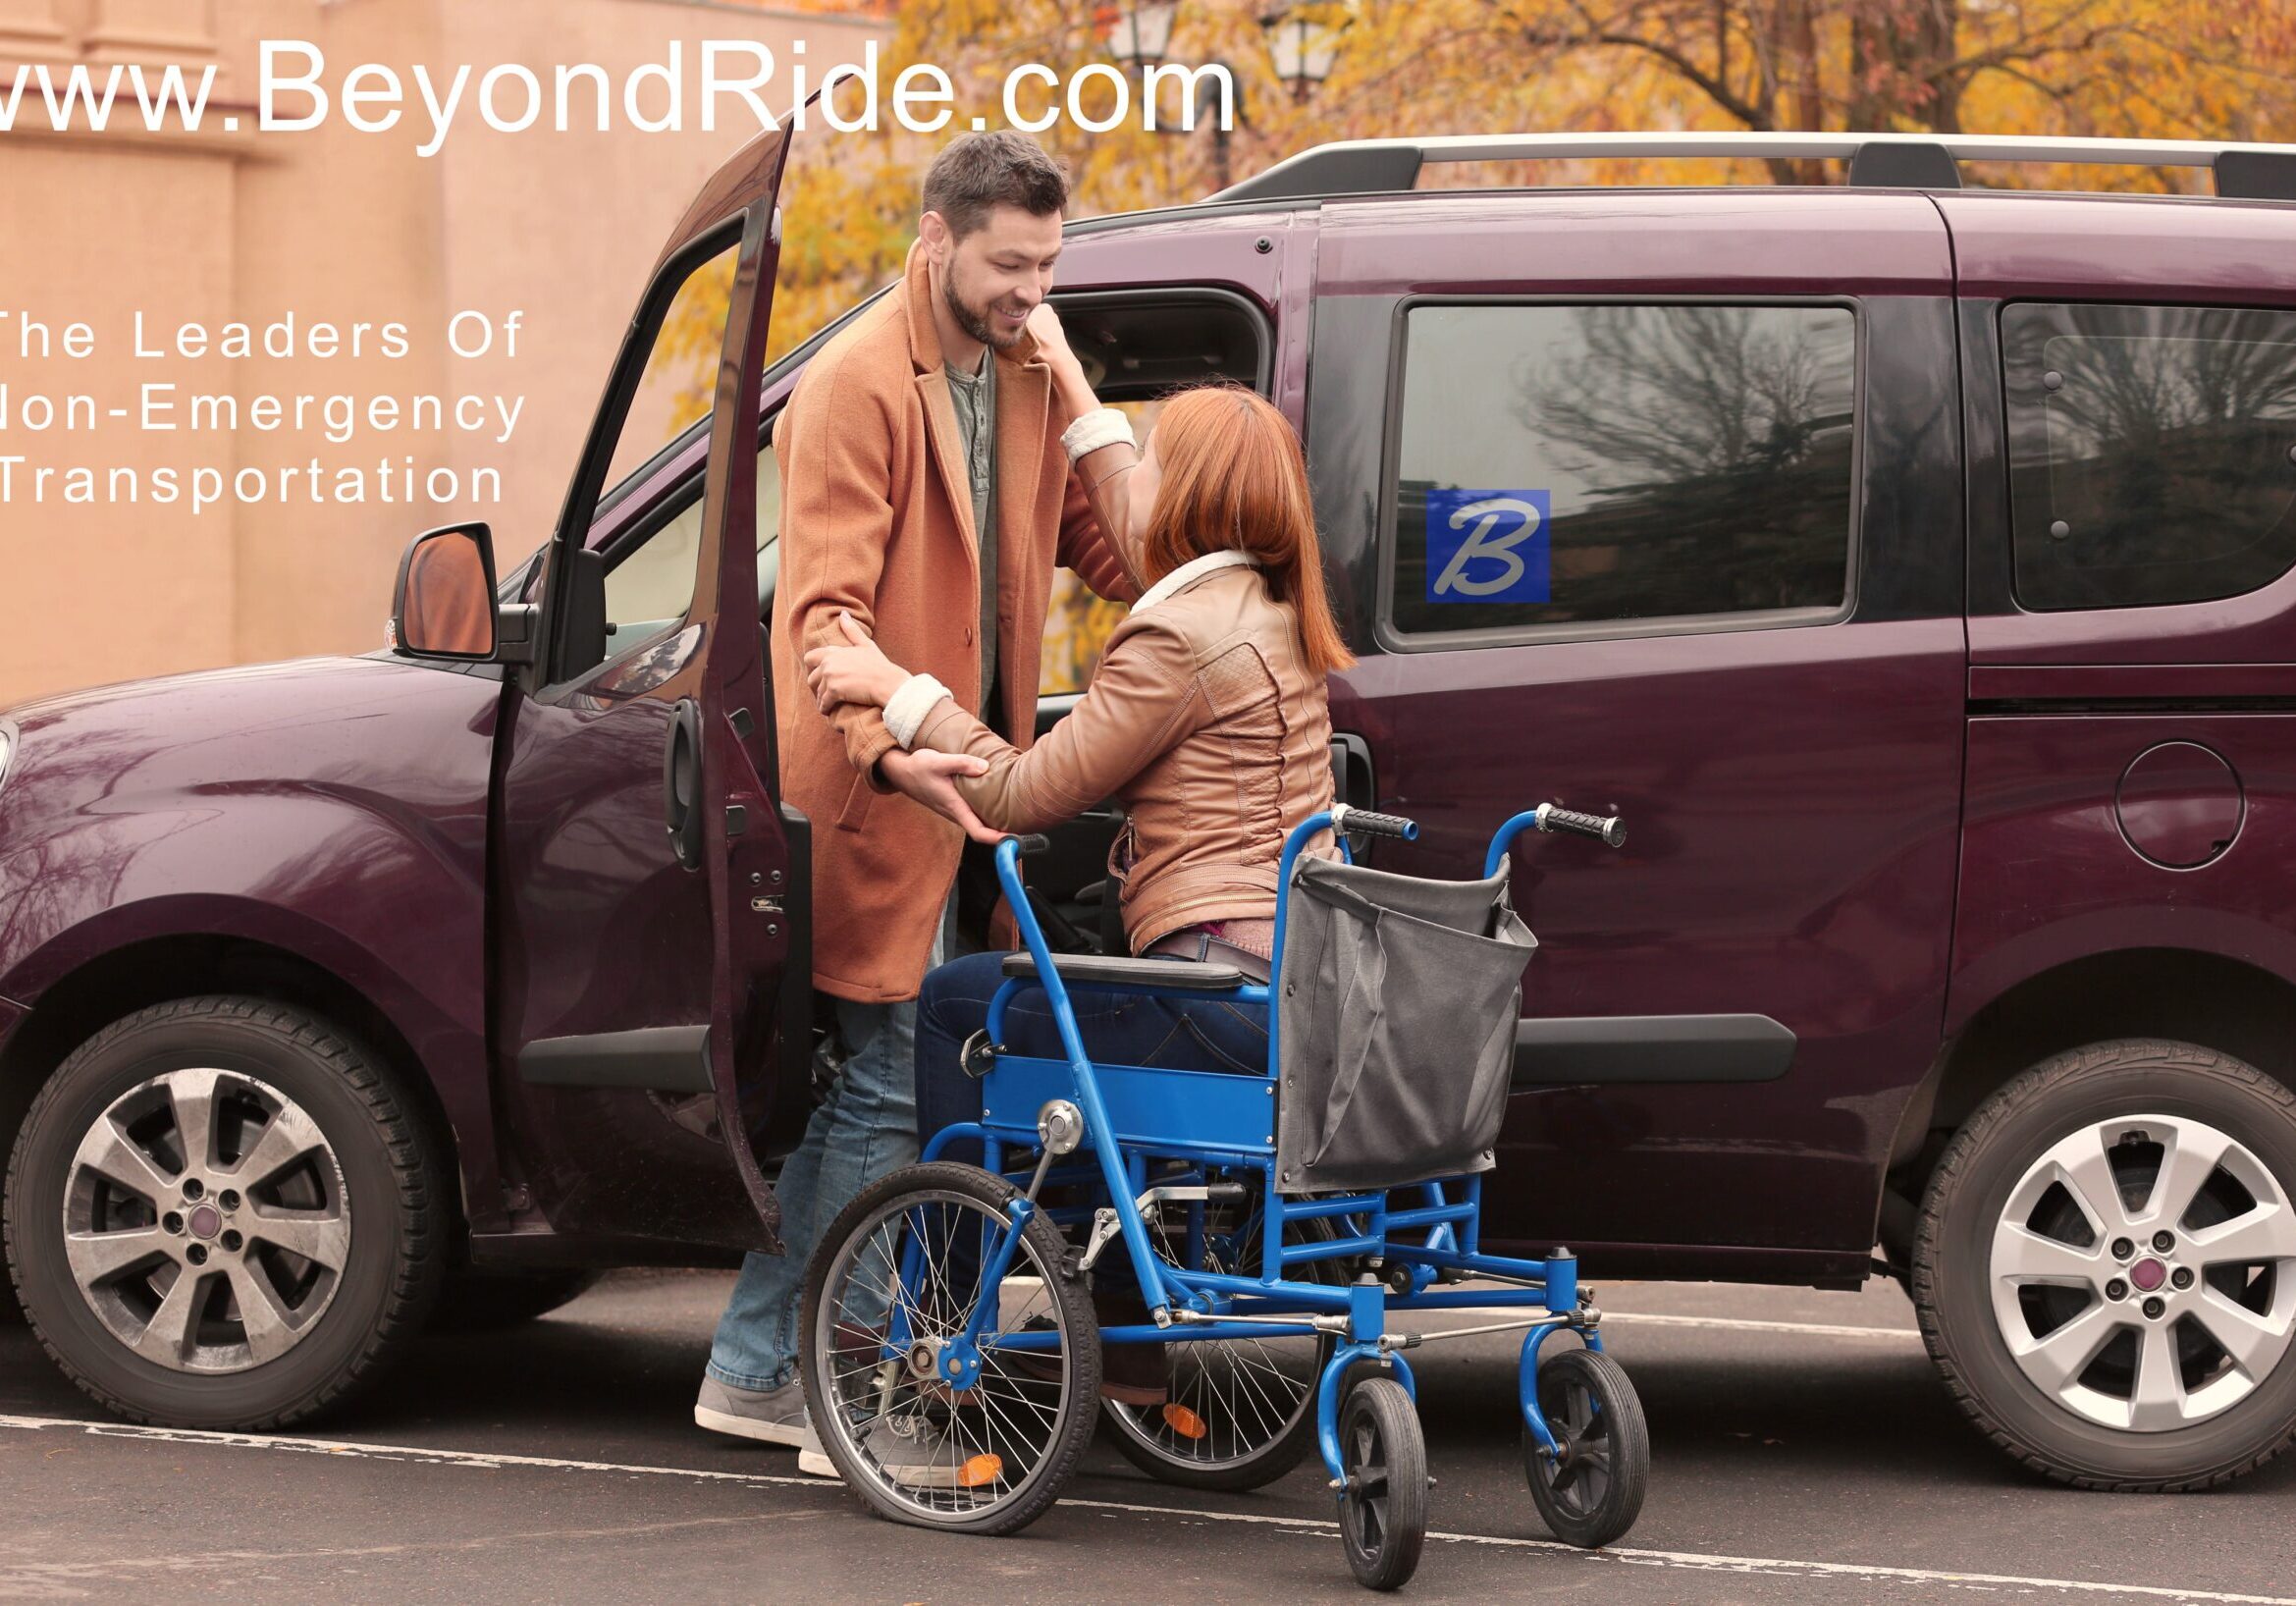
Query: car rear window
x=1583 y=464
x=2152 y=451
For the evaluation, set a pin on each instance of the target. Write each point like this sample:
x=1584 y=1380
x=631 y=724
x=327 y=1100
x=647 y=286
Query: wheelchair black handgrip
x=1033 y=843
x=1608 y=829
x=1380 y=824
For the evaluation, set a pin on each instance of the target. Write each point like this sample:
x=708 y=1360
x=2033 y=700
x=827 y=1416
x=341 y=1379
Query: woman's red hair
x=1234 y=478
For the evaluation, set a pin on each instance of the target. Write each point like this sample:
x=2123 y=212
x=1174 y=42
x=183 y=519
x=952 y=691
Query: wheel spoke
x=167 y=1337
x=266 y=1324
x=1566 y=1466
x=2266 y=1233
x=2086 y=1172
x=324 y=1238
x=2057 y=1361
x=192 y=1096
x=287 y=1139
x=2158 y=1399
x=97 y=1256
x=2193 y=1154
x=113 y=1155
x=2023 y=1256
x=2255 y=1343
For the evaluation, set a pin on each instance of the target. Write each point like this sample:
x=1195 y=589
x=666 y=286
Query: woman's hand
x=1069 y=383
x=857 y=672
x=1051 y=340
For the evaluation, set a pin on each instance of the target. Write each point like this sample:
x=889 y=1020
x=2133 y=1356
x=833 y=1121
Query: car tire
x=307 y=1145
x=491 y=1302
x=2105 y=1267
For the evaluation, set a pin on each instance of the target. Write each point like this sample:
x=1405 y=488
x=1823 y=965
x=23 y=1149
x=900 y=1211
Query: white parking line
x=1745 y=1324
x=1766 y=1565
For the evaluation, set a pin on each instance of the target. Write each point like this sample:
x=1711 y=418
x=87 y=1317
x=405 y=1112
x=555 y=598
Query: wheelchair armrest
x=1114 y=971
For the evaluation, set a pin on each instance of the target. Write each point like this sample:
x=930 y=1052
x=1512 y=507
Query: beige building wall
x=331 y=225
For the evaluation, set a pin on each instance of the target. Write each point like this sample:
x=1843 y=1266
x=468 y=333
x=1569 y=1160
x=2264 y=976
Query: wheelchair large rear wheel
x=893 y=1282
x=1241 y=1411
x=1383 y=1509
x=1592 y=1492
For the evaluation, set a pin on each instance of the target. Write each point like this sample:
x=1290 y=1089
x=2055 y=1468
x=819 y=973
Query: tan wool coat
x=876 y=519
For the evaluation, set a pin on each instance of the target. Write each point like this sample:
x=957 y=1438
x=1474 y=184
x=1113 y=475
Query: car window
x=1560 y=464
x=2152 y=451
x=650 y=584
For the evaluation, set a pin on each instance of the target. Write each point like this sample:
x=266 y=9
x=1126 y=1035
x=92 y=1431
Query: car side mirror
x=444 y=602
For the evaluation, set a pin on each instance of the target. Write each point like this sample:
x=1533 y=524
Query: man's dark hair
x=975 y=172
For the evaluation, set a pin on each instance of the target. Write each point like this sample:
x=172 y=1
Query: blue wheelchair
x=1269 y=1226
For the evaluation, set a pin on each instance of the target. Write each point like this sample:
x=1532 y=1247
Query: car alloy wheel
x=2105 y=1266
x=205 y=1220
x=2144 y=1272
x=226 y=1211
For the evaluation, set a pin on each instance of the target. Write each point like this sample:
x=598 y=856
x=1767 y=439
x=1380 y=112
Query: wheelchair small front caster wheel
x=1383 y=1511
x=1590 y=1492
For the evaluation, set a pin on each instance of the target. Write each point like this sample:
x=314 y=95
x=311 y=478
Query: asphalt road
x=1804 y=1453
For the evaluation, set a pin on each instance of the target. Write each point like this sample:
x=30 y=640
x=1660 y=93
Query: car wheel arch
x=2211 y=1000
x=116 y=984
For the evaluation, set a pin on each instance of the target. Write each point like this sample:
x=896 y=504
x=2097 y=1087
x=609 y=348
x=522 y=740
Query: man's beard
x=975 y=323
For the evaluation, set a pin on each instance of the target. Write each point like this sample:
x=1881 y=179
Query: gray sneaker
x=772 y=1416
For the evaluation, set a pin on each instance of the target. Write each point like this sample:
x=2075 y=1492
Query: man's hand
x=931 y=778
x=857 y=672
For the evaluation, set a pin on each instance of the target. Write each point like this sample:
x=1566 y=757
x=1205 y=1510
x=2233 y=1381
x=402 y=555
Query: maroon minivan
x=1912 y=566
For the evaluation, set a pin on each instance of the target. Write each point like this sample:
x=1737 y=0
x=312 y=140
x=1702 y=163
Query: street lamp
x=1303 y=40
x=1139 y=34
x=1138 y=31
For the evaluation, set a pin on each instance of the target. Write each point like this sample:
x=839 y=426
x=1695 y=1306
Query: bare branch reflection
x=1698 y=458
x=1685 y=392
x=2151 y=452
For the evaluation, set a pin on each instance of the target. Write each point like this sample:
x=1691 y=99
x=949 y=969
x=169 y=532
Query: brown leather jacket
x=1204 y=723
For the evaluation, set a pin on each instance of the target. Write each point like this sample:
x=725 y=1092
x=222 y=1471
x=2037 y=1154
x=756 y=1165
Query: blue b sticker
x=1487 y=546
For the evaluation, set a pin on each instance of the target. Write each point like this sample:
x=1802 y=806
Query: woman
x=1205 y=720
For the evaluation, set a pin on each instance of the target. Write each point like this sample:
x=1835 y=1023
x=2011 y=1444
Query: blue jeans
x=1122 y=1029
x=866 y=1127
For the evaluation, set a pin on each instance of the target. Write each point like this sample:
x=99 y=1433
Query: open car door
x=649 y=900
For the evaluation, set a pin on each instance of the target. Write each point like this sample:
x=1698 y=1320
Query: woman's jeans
x=864 y=1128
x=1120 y=1029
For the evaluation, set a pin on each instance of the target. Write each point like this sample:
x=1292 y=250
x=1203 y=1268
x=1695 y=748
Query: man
x=926 y=492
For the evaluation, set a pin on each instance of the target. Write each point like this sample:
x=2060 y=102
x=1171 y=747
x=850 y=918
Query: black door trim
x=659 y=1059
x=1608 y=1049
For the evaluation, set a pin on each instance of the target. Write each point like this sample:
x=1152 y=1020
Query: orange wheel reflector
x=980 y=1470
x=1184 y=1422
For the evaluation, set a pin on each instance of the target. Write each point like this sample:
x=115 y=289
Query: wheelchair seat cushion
x=1115 y=970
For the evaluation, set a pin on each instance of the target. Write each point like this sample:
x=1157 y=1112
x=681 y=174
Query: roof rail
x=1912 y=161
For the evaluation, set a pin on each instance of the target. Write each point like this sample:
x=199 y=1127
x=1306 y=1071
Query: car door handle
x=682 y=783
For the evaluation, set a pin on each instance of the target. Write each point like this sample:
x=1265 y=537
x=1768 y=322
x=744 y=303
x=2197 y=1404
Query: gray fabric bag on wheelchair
x=1397 y=1009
